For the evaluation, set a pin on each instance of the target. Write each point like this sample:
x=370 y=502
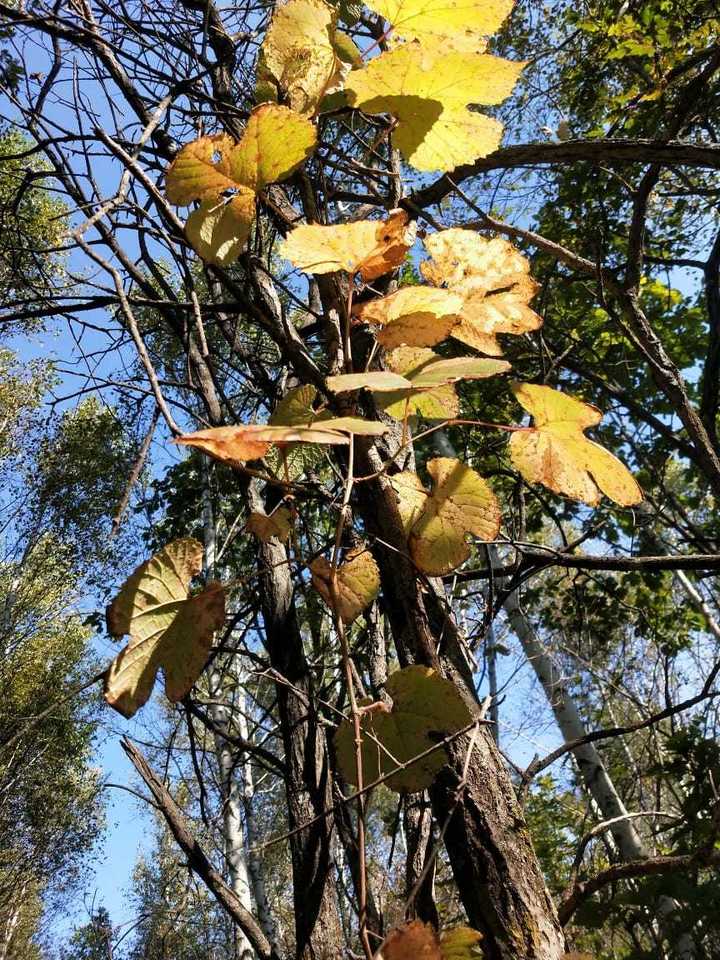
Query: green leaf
x=426 y=708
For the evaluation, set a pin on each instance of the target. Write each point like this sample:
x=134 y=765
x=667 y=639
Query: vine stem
x=355 y=711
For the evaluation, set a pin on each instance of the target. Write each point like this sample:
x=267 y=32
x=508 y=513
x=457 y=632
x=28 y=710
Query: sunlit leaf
x=218 y=230
x=237 y=444
x=556 y=452
x=357 y=583
x=461 y=22
x=425 y=709
x=460 y=943
x=440 y=403
x=298 y=53
x=428 y=91
x=411 y=497
x=493 y=279
x=367 y=428
x=276 y=524
x=372 y=380
x=432 y=395
x=437 y=523
x=368 y=247
x=168 y=628
x=275 y=142
x=413 y=316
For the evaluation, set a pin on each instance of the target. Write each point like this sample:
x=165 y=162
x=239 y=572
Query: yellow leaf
x=431 y=395
x=428 y=92
x=200 y=170
x=412 y=941
x=413 y=316
x=411 y=497
x=493 y=279
x=459 y=255
x=168 y=628
x=439 y=403
x=366 y=428
x=556 y=452
x=219 y=230
x=275 y=142
x=265 y=526
x=368 y=247
x=424 y=705
x=460 y=943
x=371 y=380
x=357 y=583
x=423 y=20
x=461 y=502
x=299 y=52
x=237 y=444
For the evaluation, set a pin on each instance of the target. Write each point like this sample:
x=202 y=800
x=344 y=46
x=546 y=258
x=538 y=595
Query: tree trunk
x=492 y=858
x=308 y=783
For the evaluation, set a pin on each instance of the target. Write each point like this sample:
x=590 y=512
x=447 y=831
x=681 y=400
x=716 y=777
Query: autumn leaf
x=266 y=526
x=168 y=628
x=296 y=407
x=460 y=943
x=428 y=92
x=357 y=583
x=431 y=394
x=437 y=523
x=461 y=23
x=411 y=941
x=425 y=708
x=218 y=230
x=413 y=316
x=298 y=55
x=493 y=280
x=238 y=444
x=275 y=142
x=556 y=452
x=372 y=380
x=440 y=403
x=368 y=247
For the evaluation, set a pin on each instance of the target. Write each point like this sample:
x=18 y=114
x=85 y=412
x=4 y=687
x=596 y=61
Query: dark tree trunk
x=308 y=783
x=492 y=858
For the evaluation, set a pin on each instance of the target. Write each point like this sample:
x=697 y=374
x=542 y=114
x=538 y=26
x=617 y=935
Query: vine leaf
x=440 y=403
x=296 y=409
x=168 y=628
x=373 y=380
x=460 y=943
x=298 y=60
x=461 y=502
x=218 y=230
x=460 y=23
x=425 y=708
x=413 y=316
x=238 y=444
x=493 y=279
x=431 y=394
x=266 y=526
x=556 y=452
x=357 y=582
x=275 y=142
x=368 y=247
x=427 y=91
